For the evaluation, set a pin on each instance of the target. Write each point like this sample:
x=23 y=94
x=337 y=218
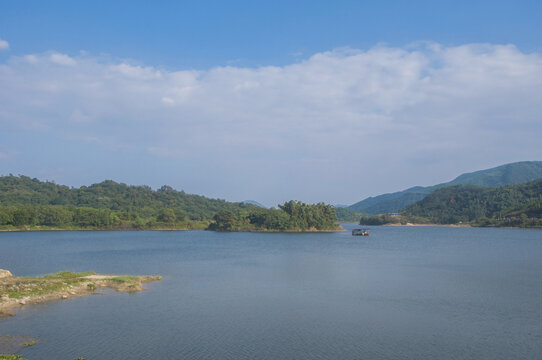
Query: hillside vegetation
x=347 y=215
x=513 y=205
x=30 y=202
x=291 y=216
x=509 y=174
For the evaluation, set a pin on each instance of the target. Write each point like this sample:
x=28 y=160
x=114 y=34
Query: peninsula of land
x=28 y=204
x=21 y=291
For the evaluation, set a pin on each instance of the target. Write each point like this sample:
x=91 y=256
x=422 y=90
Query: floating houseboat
x=360 y=232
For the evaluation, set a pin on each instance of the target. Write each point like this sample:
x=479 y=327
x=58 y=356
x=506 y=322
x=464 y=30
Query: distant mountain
x=509 y=174
x=468 y=203
x=347 y=215
x=253 y=202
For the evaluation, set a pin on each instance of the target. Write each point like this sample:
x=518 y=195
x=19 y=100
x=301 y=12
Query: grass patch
x=17 y=288
x=64 y=284
x=124 y=279
x=31 y=287
x=11 y=357
x=68 y=275
x=30 y=343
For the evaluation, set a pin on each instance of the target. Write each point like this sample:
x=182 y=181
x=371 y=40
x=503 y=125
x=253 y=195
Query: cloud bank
x=4 y=45
x=337 y=126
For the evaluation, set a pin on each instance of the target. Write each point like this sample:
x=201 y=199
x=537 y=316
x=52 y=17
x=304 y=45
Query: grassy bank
x=22 y=291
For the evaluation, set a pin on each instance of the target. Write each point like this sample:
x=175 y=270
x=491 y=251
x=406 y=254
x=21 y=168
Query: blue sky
x=268 y=100
x=202 y=34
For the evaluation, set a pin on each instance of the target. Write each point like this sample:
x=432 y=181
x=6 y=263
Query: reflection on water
x=403 y=292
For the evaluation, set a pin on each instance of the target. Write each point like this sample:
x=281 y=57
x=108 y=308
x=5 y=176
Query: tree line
x=27 y=202
x=512 y=205
x=23 y=190
x=290 y=216
x=59 y=216
x=30 y=202
x=471 y=203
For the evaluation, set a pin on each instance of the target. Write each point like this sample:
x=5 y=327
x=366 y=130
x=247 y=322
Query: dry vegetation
x=21 y=291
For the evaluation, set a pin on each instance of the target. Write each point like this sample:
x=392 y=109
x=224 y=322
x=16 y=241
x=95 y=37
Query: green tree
x=167 y=216
x=224 y=220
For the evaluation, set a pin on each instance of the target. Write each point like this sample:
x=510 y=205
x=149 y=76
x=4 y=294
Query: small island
x=292 y=216
x=21 y=291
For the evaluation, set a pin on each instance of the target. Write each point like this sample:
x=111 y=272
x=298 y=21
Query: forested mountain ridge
x=514 y=205
x=23 y=190
x=27 y=201
x=508 y=174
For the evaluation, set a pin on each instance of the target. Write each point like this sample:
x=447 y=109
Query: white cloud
x=62 y=59
x=168 y=101
x=31 y=59
x=337 y=126
x=4 y=45
x=137 y=72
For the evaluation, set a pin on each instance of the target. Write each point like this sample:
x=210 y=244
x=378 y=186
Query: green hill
x=514 y=205
x=509 y=174
x=27 y=201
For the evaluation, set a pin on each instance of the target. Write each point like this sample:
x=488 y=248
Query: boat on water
x=360 y=232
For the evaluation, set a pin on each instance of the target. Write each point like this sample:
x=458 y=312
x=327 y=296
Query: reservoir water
x=401 y=293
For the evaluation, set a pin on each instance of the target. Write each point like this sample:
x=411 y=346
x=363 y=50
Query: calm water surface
x=402 y=293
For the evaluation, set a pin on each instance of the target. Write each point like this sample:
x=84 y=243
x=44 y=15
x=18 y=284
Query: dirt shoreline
x=16 y=292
